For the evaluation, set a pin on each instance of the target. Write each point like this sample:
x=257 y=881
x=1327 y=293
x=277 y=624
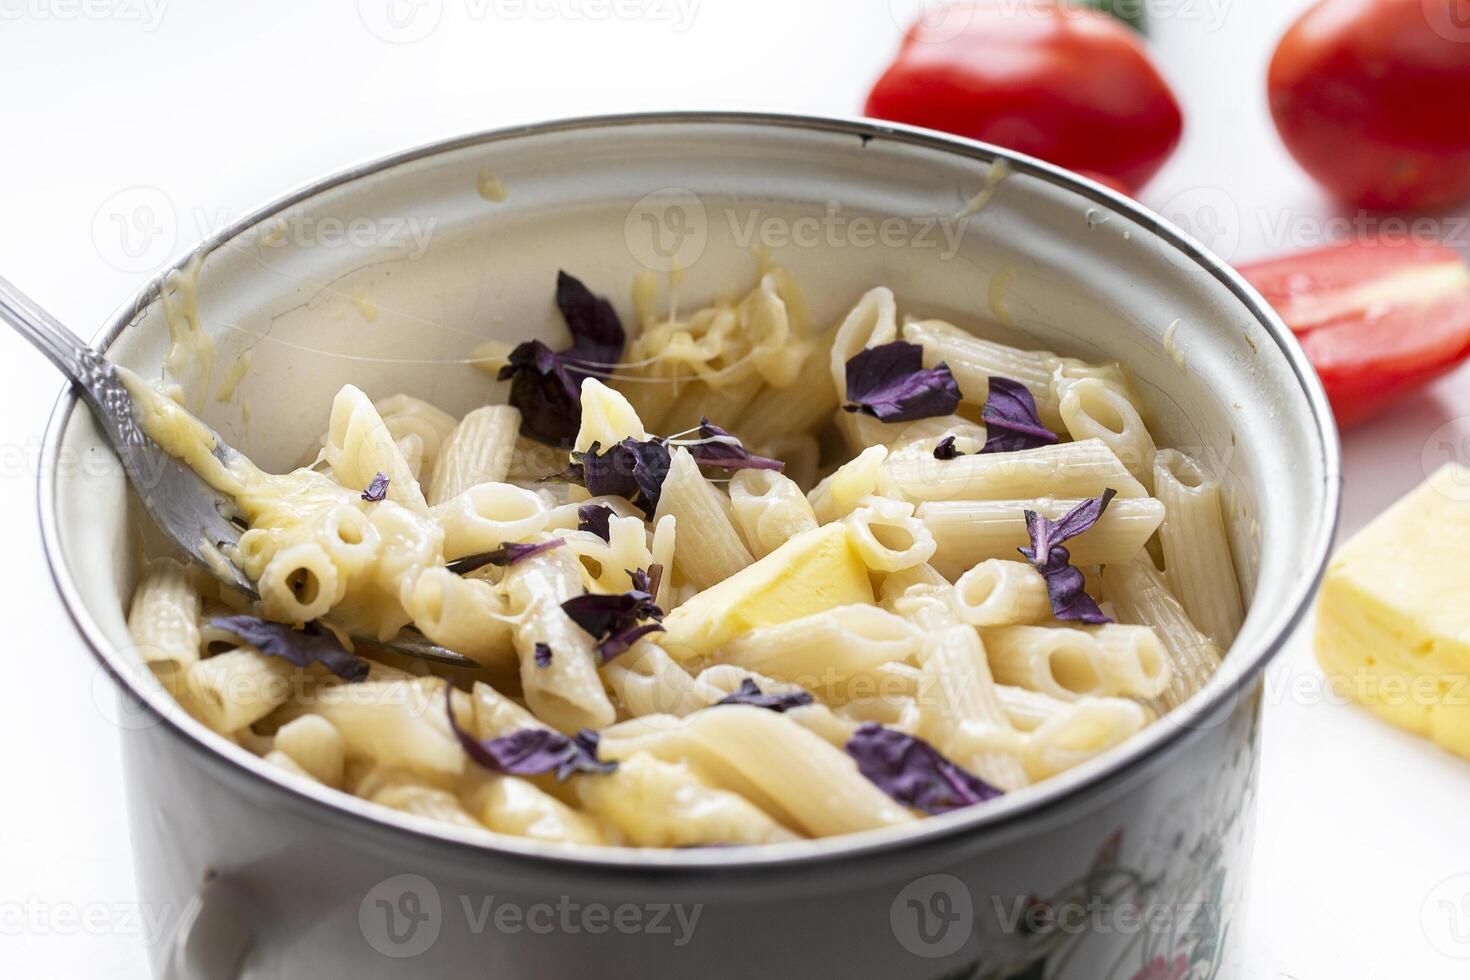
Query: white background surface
x=212 y=108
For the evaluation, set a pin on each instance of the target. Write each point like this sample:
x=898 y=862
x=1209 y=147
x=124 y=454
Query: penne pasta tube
x=1083 y=731
x=393 y=723
x=1197 y=562
x=769 y=509
x=825 y=651
x=794 y=775
x=424 y=800
x=723 y=404
x=413 y=418
x=233 y=690
x=488 y=515
x=839 y=494
x=1139 y=593
x=315 y=746
x=478 y=450
x=467 y=615
x=566 y=692
x=654 y=803
x=607 y=418
x=647 y=681
x=709 y=549
x=969 y=532
x=1002 y=593
x=1094 y=410
x=518 y=807
x=960 y=713
x=163 y=622
x=1073 y=469
x=887 y=536
x=300 y=584
x=359 y=446
x=1071 y=664
x=922 y=596
x=798 y=408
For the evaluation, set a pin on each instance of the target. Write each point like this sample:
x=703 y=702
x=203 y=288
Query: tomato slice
x=1377 y=318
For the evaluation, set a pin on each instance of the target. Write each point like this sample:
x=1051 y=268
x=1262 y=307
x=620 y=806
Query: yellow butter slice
x=813 y=572
x=1393 y=619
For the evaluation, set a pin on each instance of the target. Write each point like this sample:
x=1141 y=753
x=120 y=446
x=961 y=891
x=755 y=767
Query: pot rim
x=1045 y=799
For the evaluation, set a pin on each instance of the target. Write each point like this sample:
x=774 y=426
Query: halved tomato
x=1378 y=318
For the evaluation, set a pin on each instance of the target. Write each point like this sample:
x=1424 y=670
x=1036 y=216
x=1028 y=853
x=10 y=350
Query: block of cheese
x=815 y=571
x=1393 y=619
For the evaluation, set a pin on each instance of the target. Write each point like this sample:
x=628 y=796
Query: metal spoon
x=194 y=515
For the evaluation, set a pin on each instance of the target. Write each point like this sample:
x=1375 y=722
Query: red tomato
x=1372 y=97
x=1068 y=85
x=1377 y=319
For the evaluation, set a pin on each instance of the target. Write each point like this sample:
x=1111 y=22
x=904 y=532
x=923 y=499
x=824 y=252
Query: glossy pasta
x=758 y=590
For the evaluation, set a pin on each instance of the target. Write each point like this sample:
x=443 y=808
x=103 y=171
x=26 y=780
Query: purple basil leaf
x=1046 y=534
x=531 y=751
x=547 y=392
x=377 y=489
x=716 y=447
x=596 y=518
x=547 y=385
x=613 y=620
x=647 y=581
x=912 y=771
x=632 y=470
x=622 y=641
x=1011 y=420
x=508 y=554
x=1067 y=590
x=891 y=384
x=946 y=449
x=1064 y=583
x=543 y=655
x=597 y=334
x=750 y=694
x=310 y=645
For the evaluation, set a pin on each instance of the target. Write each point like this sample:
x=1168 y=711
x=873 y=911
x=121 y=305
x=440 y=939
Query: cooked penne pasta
x=1071 y=663
x=1075 y=469
x=969 y=532
x=709 y=550
x=790 y=773
x=1092 y=409
x=827 y=650
x=566 y=690
x=163 y=622
x=1002 y=593
x=718 y=578
x=478 y=450
x=1197 y=561
x=769 y=509
x=1138 y=591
